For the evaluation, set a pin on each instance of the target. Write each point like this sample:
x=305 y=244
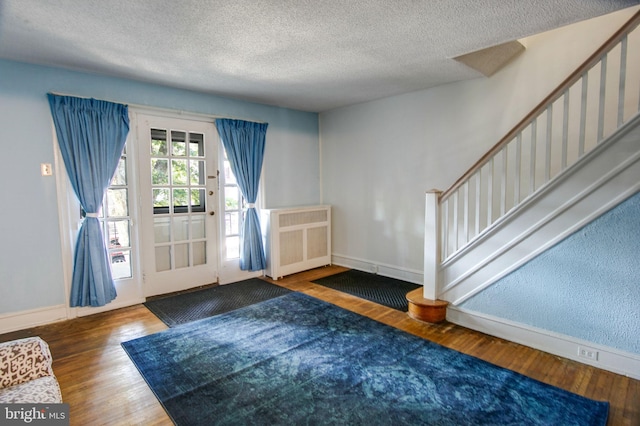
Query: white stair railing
x=585 y=109
x=591 y=104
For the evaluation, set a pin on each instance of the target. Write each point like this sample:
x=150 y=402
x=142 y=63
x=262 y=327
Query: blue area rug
x=298 y=360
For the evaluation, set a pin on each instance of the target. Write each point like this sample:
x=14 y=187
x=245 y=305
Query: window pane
x=179 y=172
x=120 y=176
x=117 y=202
x=159 y=171
x=118 y=231
x=231 y=198
x=158 y=142
x=234 y=215
x=178 y=144
x=229 y=177
x=233 y=247
x=196 y=144
x=121 y=264
x=232 y=221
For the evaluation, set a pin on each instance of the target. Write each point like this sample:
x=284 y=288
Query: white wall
x=379 y=158
x=31 y=270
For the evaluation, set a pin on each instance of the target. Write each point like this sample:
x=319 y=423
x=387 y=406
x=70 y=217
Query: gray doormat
x=376 y=288
x=195 y=305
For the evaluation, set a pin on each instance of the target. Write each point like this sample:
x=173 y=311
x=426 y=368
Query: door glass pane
x=196 y=172
x=179 y=172
x=199 y=253
x=178 y=144
x=180 y=200
x=197 y=200
x=163 y=258
x=160 y=198
x=196 y=144
x=180 y=228
x=159 y=142
x=181 y=255
x=197 y=227
x=161 y=229
x=159 y=171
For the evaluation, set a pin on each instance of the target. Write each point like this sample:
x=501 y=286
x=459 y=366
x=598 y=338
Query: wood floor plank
x=103 y=387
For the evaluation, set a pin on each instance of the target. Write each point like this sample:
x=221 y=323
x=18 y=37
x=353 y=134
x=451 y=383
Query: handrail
x=633 y=22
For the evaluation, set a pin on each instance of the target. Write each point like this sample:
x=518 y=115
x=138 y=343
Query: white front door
x=178 y=202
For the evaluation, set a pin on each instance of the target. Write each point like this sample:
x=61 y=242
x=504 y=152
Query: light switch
x=45 y=169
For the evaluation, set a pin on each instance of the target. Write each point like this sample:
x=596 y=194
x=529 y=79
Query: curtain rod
x=162 y=109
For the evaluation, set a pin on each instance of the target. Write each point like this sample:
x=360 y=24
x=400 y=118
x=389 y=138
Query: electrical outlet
x=45 y=169
x=588 y=353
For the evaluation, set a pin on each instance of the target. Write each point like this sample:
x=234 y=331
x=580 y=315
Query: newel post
x=431 y=244
x=423 y=303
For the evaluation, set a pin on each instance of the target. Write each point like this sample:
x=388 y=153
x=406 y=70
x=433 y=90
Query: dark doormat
x=199 y=304
x=376 y=288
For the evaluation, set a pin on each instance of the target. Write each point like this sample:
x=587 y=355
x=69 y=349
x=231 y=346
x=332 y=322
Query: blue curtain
x=91 y=134
x=244 y=142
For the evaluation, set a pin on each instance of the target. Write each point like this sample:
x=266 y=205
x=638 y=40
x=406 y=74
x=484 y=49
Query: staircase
x=574 y=157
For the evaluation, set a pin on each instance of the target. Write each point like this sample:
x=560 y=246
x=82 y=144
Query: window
x=234 y=204
x=116 y=223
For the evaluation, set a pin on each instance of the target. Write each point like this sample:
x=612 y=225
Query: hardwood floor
x=103 y=386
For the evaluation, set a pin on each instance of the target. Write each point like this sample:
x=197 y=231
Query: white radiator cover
x=296 y=239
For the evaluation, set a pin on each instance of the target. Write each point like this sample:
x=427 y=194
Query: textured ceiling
x=311 y=55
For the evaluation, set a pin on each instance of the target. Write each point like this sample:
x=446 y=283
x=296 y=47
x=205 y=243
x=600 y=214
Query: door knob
x=212 y=213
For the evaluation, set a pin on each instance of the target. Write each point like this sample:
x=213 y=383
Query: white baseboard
x=32 y=318
x=42 y=316
x=606 y=358
x=85 y=311
x=382 y=269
